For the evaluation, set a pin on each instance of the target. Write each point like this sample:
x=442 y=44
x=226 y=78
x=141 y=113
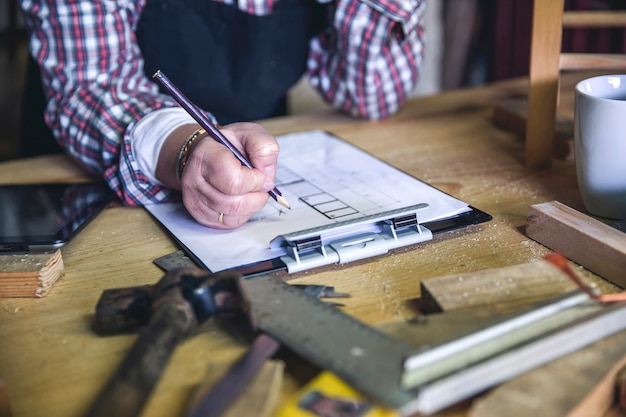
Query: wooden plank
x=581 y=238
x=580 y=384
x=29 y=274
x=503 y=289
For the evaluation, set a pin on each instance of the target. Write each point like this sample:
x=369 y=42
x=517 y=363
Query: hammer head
x=206 y=294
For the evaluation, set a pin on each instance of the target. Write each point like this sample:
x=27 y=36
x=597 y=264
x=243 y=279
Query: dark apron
x=236 y=65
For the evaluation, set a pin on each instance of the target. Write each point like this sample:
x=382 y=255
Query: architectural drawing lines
x=314 y=196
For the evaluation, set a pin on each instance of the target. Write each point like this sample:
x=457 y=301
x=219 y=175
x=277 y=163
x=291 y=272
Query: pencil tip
x=283 y=201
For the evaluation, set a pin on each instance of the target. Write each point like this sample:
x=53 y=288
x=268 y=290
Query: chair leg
x=544 y=81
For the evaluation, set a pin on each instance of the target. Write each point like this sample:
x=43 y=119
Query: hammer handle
x=129 y=388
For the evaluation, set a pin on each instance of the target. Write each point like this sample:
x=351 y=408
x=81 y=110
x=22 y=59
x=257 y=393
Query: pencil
x=211 y=129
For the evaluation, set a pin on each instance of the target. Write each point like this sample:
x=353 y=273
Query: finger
x=214 y=164
x=215 y=219
x=204 y=203
x=257 y=144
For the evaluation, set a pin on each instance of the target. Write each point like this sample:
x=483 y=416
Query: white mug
x=600 y=144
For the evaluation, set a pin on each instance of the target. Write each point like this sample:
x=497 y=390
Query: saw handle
x=132 y=383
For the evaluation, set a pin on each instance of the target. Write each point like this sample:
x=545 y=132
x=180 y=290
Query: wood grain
x=581 y=238
x=503 y=289
x=544 y=80
x=581 y=384
x=29 y=274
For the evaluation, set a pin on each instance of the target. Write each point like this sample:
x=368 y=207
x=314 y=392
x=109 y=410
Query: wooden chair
x=546 y=62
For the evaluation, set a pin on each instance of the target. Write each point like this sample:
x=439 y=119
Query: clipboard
x=347 y=205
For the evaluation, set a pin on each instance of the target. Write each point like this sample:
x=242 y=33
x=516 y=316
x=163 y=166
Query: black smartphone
x=43 y=217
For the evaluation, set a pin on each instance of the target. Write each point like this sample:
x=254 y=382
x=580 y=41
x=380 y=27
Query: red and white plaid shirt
x=366 y=64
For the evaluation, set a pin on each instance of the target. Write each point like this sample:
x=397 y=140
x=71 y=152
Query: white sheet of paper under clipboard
x=345 y=206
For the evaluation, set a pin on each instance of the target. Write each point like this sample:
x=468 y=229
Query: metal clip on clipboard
x=352 y=240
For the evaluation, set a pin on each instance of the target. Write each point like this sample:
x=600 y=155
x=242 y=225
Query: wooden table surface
x=54 y=365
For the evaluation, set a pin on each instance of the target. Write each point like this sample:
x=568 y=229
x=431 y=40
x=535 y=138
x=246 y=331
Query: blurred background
x=469 y=42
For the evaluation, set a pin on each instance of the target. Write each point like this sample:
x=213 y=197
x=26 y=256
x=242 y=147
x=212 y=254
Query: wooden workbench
x=54 y=365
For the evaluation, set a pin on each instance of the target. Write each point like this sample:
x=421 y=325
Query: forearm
x=97 y=131
x=368 y=63
x=92 y=76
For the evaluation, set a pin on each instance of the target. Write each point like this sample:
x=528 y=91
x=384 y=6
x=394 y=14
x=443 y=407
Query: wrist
x=185 y=150
x=168 y=165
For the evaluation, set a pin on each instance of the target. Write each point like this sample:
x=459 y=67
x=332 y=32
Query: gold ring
x=220 y=217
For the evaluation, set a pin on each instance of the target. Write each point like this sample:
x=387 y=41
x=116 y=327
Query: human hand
x=214 y=181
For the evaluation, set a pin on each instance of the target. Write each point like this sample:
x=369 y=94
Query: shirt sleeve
x=92 y=73
x=367 y=62
x=150 y=134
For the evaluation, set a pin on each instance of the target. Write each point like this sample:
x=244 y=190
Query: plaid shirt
x=92 y=68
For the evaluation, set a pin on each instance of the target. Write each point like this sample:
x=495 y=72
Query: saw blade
x=362 y=356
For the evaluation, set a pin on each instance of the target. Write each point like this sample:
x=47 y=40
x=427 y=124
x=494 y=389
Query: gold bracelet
x=183 y=154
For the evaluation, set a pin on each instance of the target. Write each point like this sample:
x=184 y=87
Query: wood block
x=29 y=274
x=595 y=245
x=503 y=289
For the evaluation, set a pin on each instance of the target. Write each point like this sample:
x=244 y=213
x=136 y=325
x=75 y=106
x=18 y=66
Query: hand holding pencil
x=226 y=177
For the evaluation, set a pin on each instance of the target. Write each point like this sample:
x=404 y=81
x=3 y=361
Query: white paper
x=326 y=181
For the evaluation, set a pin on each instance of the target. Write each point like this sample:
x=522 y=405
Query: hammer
x=164 y=313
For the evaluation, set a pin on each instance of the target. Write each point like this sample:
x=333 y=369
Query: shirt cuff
x=148 y=135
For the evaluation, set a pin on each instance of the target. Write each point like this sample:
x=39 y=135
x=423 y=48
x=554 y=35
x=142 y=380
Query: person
x=235 y=60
